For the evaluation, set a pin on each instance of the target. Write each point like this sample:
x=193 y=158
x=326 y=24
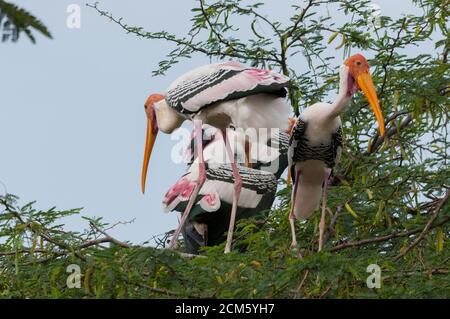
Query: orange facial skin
x=357 y=65
x=151 y=100
x=152 y=132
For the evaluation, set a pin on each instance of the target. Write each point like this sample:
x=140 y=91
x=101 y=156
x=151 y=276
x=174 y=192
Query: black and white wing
x=297 y=139
x=222 y=82
x=337 y=140
x=302 y=149
x=219 y=188
x=272 y=156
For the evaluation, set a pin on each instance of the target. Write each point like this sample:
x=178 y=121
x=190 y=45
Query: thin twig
x=189 y=256
x=326 y=291
x=297 y=22
x=171 y=38
x=303 y=281
x=110 y=238
x=438 y=271
x=391 y=132
x=333 y=221
x=163 y=291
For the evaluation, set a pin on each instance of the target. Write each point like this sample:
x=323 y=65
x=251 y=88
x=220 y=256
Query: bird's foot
x=320 y=248
x=293 y=245
x=173 y=244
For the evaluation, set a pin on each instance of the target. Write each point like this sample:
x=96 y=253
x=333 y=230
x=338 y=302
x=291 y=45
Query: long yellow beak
x=149 y=142
x=365 y=82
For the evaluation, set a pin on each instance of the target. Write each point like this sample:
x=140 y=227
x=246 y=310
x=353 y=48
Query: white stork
x=222 y=95
x=316 y=140
x=210 y=216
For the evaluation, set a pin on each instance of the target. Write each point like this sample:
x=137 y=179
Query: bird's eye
x=145 y=106
x=358 y=62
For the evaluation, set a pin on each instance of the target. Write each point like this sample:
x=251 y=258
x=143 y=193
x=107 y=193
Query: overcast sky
x=72 y=122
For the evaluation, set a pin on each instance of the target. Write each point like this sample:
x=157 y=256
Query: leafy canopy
x=388 y=201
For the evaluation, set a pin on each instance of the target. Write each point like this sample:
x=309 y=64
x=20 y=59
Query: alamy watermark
x=374 y=280
x=73 y=20
x=74 y=279
x=263 y=145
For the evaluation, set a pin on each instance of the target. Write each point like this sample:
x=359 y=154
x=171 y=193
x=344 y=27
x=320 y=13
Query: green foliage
x=22 y=21
x=388 y=199
x=304 y=41
x=36 y=253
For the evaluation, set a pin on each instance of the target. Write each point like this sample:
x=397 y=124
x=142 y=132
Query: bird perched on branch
x=210 y=215
x=316 y=141
x=222 y=95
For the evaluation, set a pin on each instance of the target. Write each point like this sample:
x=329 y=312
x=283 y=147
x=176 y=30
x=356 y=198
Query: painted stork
x=316 y=141
x=222 y=95
x=210 y=216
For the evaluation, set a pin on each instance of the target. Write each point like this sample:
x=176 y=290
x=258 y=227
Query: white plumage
x=220 y=180
x=205 y=85
x=222 y=95
x=316 y=141
x=320 y=131
x=242 y=96
x=258 y=184
x=256 y=111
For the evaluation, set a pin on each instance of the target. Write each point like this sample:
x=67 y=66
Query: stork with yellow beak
x=316 y=141
x=221 y=95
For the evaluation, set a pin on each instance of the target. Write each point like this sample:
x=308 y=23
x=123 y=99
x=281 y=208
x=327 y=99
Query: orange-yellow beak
x=150 y=139
x=366 y=85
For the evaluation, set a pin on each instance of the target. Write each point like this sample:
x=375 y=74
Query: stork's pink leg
x=324 y=206
x=237 y=192
x=200 y=180
x=291 y=214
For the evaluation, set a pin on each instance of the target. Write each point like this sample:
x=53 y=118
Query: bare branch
x=109 y=238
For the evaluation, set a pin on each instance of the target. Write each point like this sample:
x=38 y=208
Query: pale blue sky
x=72 y=122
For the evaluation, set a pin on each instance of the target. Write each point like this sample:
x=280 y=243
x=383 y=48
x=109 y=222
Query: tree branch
x=297 y=22
x=109 y=238
x=378 y=141
x=171 y=38
x=426 y=229
x=384 y=238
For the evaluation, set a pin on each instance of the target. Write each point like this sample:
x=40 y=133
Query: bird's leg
x=324 y=206
x=237 y=192
x=200 y=180
x=248 y=153
x=291 y=214
x=205 y=235
x=291 y=122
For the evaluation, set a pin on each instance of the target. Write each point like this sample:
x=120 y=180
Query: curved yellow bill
x=365 y=83
x=149 y=142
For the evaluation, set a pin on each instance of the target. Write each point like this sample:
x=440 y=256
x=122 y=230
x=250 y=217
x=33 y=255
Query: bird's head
x=152 y=132
x=357 y=72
